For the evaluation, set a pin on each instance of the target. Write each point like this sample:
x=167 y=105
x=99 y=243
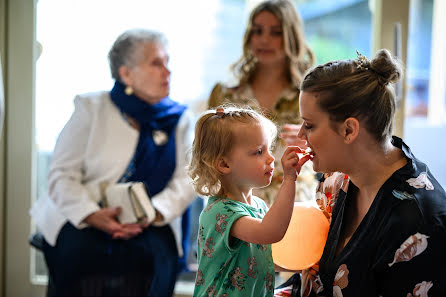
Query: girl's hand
x=289 y=135
x=291 y=163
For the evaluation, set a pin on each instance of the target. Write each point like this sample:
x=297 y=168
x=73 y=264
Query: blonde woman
x=275 y=56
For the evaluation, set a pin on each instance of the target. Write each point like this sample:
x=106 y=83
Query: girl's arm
x=273 y=226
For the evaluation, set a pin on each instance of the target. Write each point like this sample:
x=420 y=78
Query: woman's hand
x=291 y=163
x=290 y=135
x=128 y=231
x=105 y=220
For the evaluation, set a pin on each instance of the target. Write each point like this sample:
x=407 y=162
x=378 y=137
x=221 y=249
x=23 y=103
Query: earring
x=128 y=90
x=348 y=138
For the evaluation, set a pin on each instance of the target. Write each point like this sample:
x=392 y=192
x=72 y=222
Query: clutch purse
x=134 y=201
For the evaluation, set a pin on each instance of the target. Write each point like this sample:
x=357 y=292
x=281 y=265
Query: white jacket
x=96 y=145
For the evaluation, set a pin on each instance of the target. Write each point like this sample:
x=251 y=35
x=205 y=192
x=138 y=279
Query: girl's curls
x=214 y=137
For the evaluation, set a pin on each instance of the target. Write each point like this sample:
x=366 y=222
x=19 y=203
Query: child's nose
x=270 y=158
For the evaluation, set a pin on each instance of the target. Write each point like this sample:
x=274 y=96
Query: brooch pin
x=159 y=137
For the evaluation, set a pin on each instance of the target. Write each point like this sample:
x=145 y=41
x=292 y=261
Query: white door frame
x=20 y=150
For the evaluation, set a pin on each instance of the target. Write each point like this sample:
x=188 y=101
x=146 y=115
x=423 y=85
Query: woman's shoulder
x=93 y=99
x=429 y=197
x=221 y=87
x=224 y=93
x=415 y=184
x=408 y=211
x=217 y=94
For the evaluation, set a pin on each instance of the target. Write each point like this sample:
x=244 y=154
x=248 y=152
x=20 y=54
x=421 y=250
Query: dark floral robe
x=399 y=249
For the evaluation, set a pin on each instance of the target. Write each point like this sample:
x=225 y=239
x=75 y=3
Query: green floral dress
x=228 y=266
x=285 y=111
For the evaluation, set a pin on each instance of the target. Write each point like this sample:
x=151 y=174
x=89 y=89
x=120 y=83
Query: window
x=205 y=37
x=75 y=36
x=336 y=29
x=426 y=80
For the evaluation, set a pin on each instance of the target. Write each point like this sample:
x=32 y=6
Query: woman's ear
x=350 y=129
x=125 y=75
x=222 y=166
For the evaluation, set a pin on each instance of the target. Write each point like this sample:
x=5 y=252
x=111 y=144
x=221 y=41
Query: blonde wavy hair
x=299 y=55
x=214 y=138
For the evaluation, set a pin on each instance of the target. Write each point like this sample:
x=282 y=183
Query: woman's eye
x=159 y=62
x=276 y=33
x=257 y=31
x=259 y=152
x=308 y=127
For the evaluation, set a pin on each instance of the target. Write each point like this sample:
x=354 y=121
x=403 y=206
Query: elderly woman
x=387 y=234
x=133 y=133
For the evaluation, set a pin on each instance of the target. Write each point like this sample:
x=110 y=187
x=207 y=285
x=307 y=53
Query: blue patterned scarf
x=152 y=164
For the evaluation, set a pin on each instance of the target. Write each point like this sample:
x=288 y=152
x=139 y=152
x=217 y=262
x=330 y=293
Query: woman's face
x=266 y=41
x=150 y=78
x=317 y=129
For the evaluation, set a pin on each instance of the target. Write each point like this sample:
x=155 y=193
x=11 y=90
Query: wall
x=2 y=142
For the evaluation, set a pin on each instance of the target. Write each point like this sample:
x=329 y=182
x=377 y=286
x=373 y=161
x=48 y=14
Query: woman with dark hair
x=387 y=234
x=132 y=133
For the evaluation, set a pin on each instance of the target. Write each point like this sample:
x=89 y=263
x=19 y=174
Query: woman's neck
x=132 y=122
x=372 y=166
x=267 y=83
x=270 y=75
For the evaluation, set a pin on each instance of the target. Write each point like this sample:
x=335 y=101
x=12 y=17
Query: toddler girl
x=231 y=156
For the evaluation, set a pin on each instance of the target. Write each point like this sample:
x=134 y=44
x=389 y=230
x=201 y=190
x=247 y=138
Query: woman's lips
x=265 y=51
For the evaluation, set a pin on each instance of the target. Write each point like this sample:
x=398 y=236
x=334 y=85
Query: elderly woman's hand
x=289 y=135
x=105 y=220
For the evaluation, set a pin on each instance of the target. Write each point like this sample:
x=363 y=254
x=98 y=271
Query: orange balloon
x=304 y=241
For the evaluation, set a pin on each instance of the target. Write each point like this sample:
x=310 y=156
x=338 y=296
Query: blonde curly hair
x=214 y=138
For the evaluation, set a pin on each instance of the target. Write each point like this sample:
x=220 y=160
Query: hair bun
x=387 y=67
